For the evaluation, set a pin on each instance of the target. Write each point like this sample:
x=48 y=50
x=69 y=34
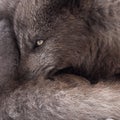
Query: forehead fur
x=34 y=13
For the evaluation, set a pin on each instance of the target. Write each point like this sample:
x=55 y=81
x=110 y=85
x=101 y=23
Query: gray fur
x=81 y=35
x=77 y=34
x=67 y=98
x=8 y=55
x=91 y=46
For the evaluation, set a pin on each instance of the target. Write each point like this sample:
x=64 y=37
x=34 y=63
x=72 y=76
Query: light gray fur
x=67 y=98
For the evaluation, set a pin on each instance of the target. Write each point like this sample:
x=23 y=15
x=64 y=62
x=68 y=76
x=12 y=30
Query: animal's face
x=51 y=40
x=70 y=36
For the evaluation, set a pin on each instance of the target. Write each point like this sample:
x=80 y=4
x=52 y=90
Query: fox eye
x=39 y=42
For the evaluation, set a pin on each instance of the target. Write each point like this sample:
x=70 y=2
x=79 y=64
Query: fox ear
x=7 y=8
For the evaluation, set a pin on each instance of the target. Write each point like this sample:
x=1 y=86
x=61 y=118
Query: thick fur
x=67 y=98
x=77 y=34
x=80 y=35
x=7 y=8
x=8 y=55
